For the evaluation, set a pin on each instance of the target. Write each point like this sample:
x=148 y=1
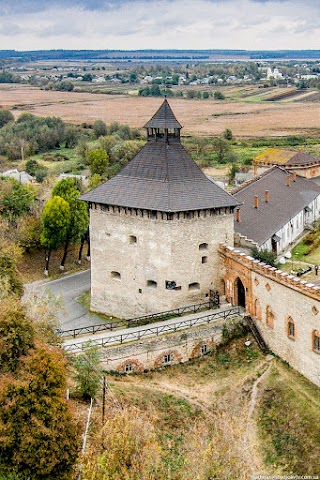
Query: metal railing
x=137 y=321
x=155 y=331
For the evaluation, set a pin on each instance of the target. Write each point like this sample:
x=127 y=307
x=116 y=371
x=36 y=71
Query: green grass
x=84 y=300
x=289 y=423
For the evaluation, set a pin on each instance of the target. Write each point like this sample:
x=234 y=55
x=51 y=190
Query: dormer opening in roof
x=163 y=124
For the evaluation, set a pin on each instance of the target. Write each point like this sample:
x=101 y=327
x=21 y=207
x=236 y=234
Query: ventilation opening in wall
x=132 y=239
x=194 y=286
x=204 y=349
x=167 y=358
x=152 y=284
x=116 y=275
x=204 y=259
x=203 y=246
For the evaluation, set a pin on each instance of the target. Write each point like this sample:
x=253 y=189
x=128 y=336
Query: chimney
x=238 y=214
x=288 y=181
x=255 y=169
x=256 y=201
x=294 y=176
x=266 y=196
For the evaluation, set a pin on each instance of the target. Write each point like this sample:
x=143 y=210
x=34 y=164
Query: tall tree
x=55 y=223
x=38 y=434
x=69 y=190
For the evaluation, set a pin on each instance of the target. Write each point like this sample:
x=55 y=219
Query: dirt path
x=253 y=457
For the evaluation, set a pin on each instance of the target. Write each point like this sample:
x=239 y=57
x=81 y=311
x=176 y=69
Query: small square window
x=167 y=358
x=204 y=259
x=204 y=349
x=132 y=239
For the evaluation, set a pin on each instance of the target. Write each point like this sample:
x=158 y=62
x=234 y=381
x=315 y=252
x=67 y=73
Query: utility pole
x=104 y=398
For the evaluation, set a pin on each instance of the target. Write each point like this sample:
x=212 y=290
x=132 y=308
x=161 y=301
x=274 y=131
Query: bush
x=270 y=258
x=218 y=95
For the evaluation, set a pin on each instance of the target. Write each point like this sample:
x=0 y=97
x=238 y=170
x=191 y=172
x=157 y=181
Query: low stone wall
x=286 y=309
x=164 y=350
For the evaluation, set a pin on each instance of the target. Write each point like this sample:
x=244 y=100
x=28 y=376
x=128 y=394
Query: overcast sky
x=159 y=24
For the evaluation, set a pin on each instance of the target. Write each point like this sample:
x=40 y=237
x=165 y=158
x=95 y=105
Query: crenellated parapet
x=231 y=254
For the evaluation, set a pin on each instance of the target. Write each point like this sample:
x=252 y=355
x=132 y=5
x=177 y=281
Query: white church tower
x=155 y=228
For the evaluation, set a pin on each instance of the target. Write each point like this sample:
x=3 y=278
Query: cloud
x=143 y=24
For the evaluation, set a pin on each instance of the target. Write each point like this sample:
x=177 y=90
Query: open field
x=199 y=117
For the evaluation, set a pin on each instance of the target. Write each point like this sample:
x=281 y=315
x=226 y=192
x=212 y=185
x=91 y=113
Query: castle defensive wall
x=286 y=308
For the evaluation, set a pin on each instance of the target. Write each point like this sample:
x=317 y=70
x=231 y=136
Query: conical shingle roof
x=163 y=118
x=161 y=177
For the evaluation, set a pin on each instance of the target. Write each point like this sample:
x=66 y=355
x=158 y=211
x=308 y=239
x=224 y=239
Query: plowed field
x=199 y=117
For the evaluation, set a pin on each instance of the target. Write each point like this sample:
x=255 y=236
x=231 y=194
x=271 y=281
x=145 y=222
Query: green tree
x=88 y=372
x=16 y=199
x=218 y=95
x=222 y=149
x=227 y=134
x=98 y=160
x=55 y=223
x=5 y=117
x=99 y=128
x=69 y=190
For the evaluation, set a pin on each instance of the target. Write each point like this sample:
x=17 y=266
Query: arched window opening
x=316 y=341
x=128 y=368
x=116 y=275
x=203 y=246
x=290 y=328
x=152 y=284
x=194 y=286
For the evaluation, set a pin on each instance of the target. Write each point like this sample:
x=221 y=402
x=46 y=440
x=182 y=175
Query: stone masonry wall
x=133 y=255
x=276 y=299
x=164 y=350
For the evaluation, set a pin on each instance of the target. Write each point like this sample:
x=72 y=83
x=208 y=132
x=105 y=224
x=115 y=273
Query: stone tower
x=155 y=228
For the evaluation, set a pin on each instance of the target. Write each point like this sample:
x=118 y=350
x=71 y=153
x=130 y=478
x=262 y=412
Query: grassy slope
x=206 y=402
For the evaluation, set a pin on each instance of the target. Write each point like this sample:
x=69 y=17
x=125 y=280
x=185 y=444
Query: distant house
x=299 y=162
x=22 y=177
x=276 y=207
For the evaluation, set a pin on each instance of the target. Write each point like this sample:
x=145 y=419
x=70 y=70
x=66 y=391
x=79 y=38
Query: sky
x=159 y=24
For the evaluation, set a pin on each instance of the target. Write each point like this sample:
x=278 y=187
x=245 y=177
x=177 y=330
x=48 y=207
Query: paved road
x=69 y=288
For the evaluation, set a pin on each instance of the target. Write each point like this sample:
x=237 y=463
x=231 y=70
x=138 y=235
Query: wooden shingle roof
x=163 y=118
x=162 y=177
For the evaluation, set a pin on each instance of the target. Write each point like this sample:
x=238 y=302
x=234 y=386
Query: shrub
x=270 y=258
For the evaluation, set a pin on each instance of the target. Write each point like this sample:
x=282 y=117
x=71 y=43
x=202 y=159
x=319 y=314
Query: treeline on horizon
x=155 y=54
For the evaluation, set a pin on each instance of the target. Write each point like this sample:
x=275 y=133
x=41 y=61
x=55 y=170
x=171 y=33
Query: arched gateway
x=240 y=293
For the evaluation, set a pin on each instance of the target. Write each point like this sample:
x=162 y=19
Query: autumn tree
x=16 y=335
x=39 y=438
x=10 y=282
